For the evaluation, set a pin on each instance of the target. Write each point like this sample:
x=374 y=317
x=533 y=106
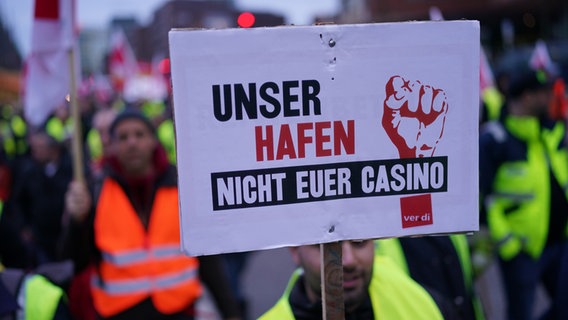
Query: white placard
x=301 y=135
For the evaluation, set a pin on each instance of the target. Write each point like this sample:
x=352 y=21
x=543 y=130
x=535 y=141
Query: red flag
x=47 y=79
x=123 y=65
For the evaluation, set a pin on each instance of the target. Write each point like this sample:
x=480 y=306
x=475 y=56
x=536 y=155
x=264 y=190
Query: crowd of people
x=50 y=219
x=108 y=246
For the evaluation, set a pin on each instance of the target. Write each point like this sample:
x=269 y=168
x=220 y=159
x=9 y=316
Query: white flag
x=47 y=78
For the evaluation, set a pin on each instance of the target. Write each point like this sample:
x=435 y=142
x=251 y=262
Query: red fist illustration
x=414 y=116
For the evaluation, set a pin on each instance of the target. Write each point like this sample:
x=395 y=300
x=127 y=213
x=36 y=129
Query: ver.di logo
x=414 y=115
x=416 y=211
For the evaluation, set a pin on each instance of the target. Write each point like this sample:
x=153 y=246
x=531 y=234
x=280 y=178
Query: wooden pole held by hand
x=77 y=138
x=332 y=281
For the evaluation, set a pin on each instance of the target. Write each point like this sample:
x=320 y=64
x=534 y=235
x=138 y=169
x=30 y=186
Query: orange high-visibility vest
x=138 y=263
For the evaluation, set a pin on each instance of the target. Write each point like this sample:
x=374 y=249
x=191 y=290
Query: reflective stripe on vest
x=134 y=256
x=514 y=196
x=144 y=285
x=139 y=262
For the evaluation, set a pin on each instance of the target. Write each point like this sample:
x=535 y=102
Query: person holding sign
x=140 y=271
x=373 y=288
x=524 y=174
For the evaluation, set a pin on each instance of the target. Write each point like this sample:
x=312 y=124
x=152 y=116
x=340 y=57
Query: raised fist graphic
x=414 y=116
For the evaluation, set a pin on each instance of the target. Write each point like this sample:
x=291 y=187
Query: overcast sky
x=17 y=14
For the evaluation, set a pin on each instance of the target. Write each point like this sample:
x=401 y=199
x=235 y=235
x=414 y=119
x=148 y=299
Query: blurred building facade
x=504 y=23
x=93 y=44
x=509 y=28
x=150 y=42
x=213 y=14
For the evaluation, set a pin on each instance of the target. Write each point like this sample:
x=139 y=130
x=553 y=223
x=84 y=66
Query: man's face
x=357 y=260
x=134 y=145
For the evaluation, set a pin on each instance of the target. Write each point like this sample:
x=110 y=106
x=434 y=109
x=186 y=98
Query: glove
x=510 y=248
x=413 y=117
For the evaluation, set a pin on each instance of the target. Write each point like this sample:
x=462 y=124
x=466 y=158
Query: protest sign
x=315 y=134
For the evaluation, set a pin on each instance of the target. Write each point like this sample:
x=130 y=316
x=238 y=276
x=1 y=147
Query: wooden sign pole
x=332 y=281
x=77 y=138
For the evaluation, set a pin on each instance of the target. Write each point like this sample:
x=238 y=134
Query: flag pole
x=76 y=139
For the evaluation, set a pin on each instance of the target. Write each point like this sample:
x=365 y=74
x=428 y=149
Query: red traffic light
x=245 y=20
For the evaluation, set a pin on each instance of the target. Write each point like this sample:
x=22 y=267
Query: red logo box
x=416 y=211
